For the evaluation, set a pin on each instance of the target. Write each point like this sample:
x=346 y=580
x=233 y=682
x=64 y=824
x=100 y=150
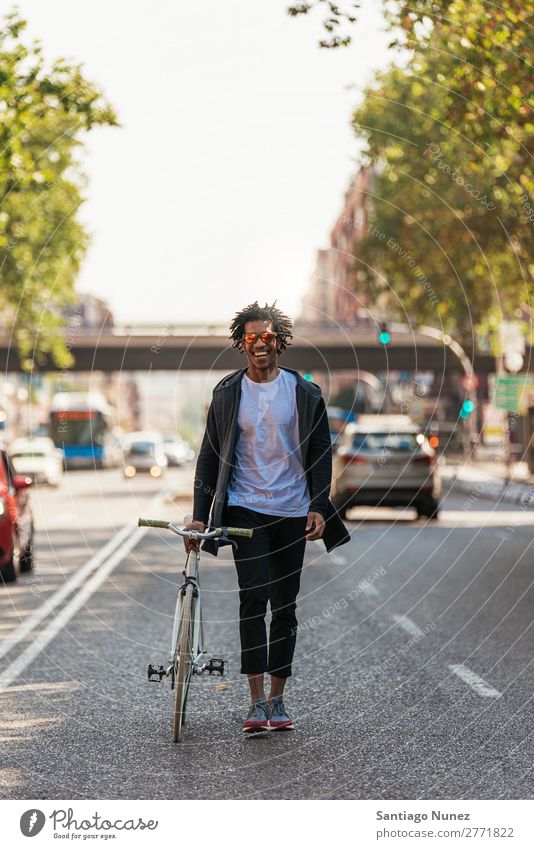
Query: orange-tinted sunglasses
x=268 y=336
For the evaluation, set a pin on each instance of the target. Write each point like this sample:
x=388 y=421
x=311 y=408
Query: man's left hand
x=314 y=526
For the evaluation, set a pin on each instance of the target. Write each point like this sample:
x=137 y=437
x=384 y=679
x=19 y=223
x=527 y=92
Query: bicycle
x=187 y=644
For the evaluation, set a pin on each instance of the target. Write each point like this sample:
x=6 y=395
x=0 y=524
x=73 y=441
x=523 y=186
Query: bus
x=81 y=424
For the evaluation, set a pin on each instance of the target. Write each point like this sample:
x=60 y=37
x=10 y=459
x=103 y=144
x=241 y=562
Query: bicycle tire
x=183 y=663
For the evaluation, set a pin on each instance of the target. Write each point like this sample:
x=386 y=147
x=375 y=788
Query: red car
x=16 y=521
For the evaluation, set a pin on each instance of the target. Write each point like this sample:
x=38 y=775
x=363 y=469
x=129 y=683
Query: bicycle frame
x=191 y=576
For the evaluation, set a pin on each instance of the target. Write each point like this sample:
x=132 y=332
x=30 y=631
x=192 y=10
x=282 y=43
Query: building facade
x=335 y=297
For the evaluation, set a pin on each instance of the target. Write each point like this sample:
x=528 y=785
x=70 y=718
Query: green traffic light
x=384 y=337
x=308 y=376
x=467 y=408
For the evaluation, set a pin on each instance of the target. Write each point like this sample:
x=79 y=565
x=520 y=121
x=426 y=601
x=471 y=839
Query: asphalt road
x=413 y=670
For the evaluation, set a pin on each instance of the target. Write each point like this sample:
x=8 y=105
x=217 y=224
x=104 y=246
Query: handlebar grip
x=152 y=523
x=240 y=532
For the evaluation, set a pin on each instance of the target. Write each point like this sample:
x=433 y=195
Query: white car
x=144 y=452
x=39 y=458
x=175 y=449
x=385 y=461
x=178 y=451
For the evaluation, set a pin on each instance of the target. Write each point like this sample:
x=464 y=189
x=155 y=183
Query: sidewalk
x=488 y=480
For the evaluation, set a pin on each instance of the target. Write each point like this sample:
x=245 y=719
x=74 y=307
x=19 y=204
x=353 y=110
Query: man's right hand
x=190 y=544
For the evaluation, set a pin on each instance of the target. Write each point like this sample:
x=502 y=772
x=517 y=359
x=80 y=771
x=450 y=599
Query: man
x=266 y=463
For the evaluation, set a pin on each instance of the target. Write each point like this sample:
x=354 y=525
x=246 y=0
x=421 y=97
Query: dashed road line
x=474 y=681
x=337 y=559
x=408 y=625
x=368 y=588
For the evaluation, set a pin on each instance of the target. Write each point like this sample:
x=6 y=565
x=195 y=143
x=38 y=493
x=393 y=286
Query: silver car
x=178 y=451
x=385 y=461
x=144 y=452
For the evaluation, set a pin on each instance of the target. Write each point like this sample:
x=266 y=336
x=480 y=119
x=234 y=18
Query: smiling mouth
x=262 y=354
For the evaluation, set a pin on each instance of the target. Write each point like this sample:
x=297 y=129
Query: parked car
x=16 y=521
x=144 y=452
x=384 y=460
x=177 y=450
x=39 y=458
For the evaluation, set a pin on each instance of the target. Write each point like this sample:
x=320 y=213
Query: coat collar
x=231 y=380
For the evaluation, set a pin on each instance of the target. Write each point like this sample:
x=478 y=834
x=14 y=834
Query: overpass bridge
x=206 y=347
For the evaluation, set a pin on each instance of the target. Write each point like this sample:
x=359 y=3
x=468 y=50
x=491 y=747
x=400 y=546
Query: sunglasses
x=268 y=336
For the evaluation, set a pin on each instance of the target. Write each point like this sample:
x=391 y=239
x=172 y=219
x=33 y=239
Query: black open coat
x=216 y=456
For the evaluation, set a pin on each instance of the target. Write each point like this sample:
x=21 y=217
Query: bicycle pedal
x=216 y=664
x=156 y=673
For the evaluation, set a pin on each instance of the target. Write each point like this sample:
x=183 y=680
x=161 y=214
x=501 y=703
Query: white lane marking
x=72 y=582
x=474 y=681
x=367 y=588
x=408 y=625
x=338 y=559
x=65 y=615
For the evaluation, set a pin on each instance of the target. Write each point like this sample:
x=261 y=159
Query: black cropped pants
x=268 y=569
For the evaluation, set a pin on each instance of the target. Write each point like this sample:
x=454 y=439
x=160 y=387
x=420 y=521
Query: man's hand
x=314 y=526
x=193 y=544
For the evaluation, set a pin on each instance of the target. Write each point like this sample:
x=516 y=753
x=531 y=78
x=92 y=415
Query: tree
x=336 y=15
x=450 y=136
x=44 y=113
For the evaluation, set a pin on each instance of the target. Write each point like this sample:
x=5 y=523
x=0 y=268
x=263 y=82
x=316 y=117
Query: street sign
x=509 y=391
x=493 y=426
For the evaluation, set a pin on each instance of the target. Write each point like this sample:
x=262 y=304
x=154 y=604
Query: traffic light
x=467 y=408
x=308 y=376
x=384 y=337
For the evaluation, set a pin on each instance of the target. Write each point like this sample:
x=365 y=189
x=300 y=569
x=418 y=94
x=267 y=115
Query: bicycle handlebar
x=239 y=532
x=152 y=523
x=216 y=532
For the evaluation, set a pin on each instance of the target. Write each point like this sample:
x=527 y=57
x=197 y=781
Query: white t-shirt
x=268 y=475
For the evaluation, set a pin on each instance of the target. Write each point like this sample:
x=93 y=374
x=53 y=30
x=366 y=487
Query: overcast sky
x=234 y=153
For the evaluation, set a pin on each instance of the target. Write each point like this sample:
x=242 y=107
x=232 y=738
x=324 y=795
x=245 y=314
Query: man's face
x=261 y=355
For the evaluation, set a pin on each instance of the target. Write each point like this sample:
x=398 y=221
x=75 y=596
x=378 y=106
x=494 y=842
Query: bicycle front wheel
x=183 y=662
